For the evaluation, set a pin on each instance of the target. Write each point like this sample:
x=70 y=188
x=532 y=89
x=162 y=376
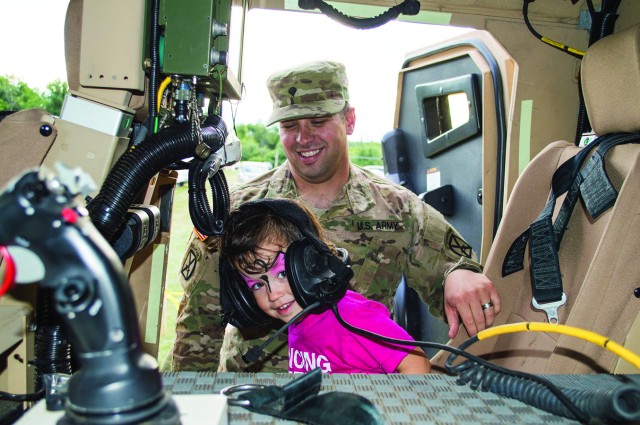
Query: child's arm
x=416 y=362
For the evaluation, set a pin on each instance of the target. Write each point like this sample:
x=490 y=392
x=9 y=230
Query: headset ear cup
x=239 y=306
x=314 y=275
x=302 y=284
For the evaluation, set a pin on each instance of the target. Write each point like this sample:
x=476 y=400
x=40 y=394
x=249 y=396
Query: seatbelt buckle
x=550 y=308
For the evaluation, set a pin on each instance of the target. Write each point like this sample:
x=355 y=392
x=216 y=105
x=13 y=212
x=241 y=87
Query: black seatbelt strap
x=544 y=237
x=561 y=181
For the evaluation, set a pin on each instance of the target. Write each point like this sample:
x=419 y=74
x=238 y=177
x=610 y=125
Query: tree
x=16 y=95
x=260 y=143
x=57 y=90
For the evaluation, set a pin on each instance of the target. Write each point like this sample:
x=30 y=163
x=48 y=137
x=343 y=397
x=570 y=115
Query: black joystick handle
x=55 y=243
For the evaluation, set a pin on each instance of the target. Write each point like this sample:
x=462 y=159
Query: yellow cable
x=561 y=46
x=592 y=337
x=161 y=89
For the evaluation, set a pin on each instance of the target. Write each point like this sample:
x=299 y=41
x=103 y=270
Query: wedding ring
x=487 y=305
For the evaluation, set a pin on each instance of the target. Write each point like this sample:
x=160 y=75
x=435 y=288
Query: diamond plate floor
x=401 y=399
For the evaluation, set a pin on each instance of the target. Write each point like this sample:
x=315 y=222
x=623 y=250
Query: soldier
x=387 y=230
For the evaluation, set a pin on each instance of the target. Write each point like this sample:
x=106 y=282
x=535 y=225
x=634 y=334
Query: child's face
x=271 y=288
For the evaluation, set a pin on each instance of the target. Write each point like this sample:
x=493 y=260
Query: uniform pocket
x=381 y=271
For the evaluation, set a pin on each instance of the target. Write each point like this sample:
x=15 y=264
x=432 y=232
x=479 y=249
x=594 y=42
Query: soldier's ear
x=350 y=120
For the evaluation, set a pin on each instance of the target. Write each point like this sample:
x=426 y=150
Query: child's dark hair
x=250 y=226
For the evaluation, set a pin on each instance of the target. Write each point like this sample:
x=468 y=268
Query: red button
x=69 y=215
x=9 y=271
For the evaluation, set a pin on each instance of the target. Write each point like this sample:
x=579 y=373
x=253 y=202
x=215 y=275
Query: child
x=255 y=241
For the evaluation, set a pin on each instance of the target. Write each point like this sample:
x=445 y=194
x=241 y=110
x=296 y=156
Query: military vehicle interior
x=539 y=102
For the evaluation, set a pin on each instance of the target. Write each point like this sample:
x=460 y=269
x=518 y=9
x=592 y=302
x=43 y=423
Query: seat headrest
x=611 y=82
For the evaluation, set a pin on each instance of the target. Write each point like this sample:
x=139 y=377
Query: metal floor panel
x=401 y=399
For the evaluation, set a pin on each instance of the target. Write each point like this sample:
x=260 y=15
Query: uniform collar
x=357 y=195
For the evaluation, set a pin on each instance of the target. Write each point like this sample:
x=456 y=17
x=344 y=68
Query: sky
x=274 y=40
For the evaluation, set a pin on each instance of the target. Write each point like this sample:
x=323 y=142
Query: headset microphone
x=255 y=352
x=317 y=279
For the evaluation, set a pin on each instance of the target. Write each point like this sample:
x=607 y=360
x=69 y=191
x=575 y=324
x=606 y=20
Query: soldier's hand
x=472 y=298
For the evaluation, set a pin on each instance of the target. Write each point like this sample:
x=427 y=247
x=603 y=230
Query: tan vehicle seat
x=25 y=138
x=598 y=256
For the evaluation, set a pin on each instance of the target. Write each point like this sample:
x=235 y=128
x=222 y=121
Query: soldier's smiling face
x=317 y=147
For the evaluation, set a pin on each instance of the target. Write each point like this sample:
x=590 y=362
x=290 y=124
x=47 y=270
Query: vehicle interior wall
x=547 y=94
x=434 y=56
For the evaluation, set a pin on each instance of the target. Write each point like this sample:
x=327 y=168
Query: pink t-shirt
x=320 y=341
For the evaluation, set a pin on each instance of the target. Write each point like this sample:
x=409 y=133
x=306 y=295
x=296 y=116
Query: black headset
x=315 y=274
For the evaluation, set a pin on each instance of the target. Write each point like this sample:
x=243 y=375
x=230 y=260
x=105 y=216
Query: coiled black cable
x=206 y=221
x=617 y=405
x=52 y=346
x=137 y=166
x=612 y=405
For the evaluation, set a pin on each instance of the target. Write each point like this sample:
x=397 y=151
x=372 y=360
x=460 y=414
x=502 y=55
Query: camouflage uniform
x=387 y=230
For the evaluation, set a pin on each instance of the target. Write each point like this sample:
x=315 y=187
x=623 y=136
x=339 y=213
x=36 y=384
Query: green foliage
x=54 y=98
x=365 y=153
x=260 y=143
x=16 y=95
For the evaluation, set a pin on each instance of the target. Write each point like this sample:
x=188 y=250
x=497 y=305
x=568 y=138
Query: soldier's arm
x=443 y=269
x=199 y=331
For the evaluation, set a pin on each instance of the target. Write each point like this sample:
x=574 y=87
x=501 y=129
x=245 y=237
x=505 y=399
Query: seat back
x=597 y=256
x=25 y=138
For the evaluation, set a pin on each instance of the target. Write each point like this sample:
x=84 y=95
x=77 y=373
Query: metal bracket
x=550 y=308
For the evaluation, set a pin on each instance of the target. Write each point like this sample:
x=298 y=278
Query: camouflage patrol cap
x=313 y=89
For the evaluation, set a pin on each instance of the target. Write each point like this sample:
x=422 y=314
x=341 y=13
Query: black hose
x=136 y=167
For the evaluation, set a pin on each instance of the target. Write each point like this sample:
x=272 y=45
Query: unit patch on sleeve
x=189 y=264
x=377 y=225
x=459 y=246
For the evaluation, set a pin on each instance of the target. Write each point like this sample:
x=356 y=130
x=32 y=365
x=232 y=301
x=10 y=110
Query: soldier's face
x=317 y=148
x=271 y=288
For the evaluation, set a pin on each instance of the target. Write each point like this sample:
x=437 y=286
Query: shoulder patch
x=459 y=246
x=189 y=264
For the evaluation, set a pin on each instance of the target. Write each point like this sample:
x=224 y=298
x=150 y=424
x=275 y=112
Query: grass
x=181 y=228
